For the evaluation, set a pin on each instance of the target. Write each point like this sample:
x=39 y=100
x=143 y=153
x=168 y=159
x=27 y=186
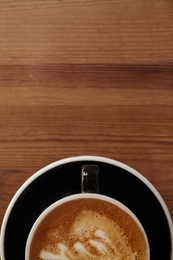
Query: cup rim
x=76 y=159
x=69 y=198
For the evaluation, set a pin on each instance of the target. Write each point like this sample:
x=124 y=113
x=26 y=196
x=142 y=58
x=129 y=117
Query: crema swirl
x=88 y=229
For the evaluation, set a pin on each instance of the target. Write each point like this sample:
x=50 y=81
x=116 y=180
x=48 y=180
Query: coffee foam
x=91 y=230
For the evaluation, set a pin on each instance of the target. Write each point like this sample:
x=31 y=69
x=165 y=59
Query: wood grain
x=82 y=31
x=86 y=78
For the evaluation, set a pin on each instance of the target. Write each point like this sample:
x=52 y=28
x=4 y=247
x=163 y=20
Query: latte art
x=90 y=231
x=104 y=248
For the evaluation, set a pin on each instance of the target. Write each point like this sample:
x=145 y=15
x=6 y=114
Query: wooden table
x=86 y=77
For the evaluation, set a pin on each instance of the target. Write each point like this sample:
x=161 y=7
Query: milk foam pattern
x=88 y=231
x=102 y=244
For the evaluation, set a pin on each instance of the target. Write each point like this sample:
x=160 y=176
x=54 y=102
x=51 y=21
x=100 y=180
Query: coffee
x=88 y=229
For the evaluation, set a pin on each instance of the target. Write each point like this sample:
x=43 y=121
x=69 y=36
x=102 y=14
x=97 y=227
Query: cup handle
x=90 y=179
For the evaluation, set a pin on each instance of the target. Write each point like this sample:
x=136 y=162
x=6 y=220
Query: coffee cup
x=62 y=183
x=87 y=226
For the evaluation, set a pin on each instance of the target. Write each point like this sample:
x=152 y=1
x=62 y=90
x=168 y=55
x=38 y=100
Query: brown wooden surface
x=86 y=77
